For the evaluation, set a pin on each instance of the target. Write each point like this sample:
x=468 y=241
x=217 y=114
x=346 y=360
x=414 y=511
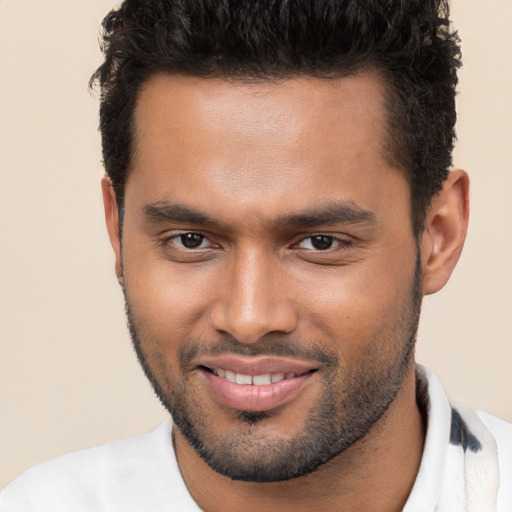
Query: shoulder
x=83 y=480
x=469 y=451
x=496 y=436
x=490 y=430
x=501 y=431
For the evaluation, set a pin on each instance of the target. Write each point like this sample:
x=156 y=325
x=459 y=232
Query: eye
x=321 y=243
x=190 y=240
x=188 y=246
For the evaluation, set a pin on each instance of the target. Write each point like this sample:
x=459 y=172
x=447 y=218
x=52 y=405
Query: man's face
x=267 y=241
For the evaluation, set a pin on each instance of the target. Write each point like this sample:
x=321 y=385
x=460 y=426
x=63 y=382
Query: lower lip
x=252 y=397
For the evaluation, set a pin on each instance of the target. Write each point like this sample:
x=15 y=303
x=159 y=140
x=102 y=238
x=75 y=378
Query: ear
x=112 y=221
x=445 y=231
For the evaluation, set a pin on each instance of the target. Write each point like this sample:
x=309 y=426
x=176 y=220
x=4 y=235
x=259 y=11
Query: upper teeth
x=258 y=380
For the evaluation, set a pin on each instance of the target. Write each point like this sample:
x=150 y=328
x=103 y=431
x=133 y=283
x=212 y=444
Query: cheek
x=170 y=300
x=360 y=307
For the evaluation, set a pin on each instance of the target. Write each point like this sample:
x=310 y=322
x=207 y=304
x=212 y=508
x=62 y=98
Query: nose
x=252 y=300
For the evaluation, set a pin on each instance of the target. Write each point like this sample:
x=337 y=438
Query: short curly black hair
x=410 y=43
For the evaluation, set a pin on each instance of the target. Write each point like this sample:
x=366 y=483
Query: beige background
x=68 y=377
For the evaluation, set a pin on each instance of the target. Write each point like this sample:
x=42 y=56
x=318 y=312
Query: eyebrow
x=336 y=213
x=331 y=214
x=179 y=213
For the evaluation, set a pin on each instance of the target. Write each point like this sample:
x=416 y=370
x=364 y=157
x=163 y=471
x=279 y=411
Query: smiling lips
x=249 y=384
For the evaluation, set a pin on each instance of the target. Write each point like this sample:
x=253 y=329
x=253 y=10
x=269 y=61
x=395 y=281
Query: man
x=278 y=200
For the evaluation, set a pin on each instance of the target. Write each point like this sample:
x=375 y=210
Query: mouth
x=256 y=385
x=263 y=379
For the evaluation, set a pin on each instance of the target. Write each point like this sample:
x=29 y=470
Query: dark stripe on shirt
x=461 y=435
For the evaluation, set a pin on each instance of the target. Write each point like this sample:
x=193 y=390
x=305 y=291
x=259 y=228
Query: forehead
x=282 y=110
x=261 y=142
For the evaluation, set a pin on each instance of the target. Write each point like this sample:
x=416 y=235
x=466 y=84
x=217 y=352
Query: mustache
x=268 y=347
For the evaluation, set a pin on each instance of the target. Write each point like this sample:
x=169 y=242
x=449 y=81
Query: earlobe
x=112 y=220
x=445 y=231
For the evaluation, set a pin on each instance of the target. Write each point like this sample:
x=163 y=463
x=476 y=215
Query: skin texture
x=251 y=158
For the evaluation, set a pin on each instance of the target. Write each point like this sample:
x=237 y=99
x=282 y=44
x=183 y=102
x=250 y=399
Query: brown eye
x=322 y=242
x=191 y=240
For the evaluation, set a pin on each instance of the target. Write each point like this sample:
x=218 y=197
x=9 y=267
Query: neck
x=376 y=473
